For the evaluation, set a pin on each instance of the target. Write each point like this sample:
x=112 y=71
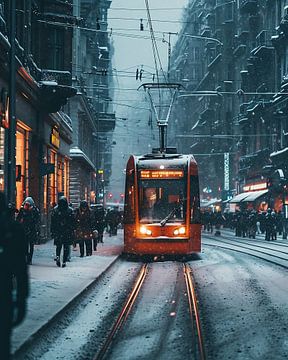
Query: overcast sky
x=124 y=19
x=130 y=54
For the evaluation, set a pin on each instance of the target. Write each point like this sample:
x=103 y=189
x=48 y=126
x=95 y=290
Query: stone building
x=243 y=57
x=90 y=109
x=43 y=85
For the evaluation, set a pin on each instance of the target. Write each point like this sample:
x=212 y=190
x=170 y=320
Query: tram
x=162 y=207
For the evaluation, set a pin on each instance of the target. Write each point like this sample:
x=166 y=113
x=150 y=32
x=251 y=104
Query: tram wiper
x=171 y=214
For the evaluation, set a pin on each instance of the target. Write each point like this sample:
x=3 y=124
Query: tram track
x=193 y=308
x=268 y=254
x=82 y=317
x=124 y=312
x=93 y=314
x=196 y=338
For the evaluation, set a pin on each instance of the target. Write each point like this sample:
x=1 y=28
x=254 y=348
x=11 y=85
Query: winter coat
x=13 y=268
x=30 y=219
x=62 y=225
x=99 y=219
x=84 y=224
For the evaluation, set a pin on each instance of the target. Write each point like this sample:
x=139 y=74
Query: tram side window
x=195 y=217
x=129 y=208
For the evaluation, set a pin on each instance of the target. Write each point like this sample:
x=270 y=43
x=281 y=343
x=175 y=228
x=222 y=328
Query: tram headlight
x=145 y=231
x=180 y=231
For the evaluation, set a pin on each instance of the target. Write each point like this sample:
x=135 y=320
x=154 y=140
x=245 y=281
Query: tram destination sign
x=161 y=174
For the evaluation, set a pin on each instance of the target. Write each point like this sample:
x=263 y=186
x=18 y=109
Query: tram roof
x=158 y=159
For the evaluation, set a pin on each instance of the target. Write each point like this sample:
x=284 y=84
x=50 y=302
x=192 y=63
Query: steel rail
x=247 y=251
x=193 y=307
x=257 y=241
x=124 y=312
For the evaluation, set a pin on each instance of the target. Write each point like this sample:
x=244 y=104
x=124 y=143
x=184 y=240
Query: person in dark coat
x=13 y=276
x=112 y=219
x=29 y=217
x=62 y=229
x=269 y=225
x=99 y=223
x=84 y=228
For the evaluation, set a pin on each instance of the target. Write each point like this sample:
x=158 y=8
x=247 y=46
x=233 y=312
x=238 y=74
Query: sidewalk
x=51 y=288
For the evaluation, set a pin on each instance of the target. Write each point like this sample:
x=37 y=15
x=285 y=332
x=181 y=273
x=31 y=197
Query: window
x=52 y=180
x=129 y=207
x=22 y=165
x=54 y=57
x=194 y=200
x=160 y=198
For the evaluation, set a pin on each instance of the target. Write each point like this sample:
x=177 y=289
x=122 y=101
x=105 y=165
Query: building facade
x=238 y=127
x=43 y=86
x=91 y=114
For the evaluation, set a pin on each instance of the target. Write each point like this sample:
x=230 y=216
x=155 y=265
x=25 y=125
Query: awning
x=254 y=195
x=238 y=198
x=210 y=202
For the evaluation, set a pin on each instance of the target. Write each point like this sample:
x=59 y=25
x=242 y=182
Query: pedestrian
x=84 y=228
x=112 y=219
x=62 y=229
x=274 y=226
x=29 y=217
x=269 y=223
x=13 y=276
x=99 y=223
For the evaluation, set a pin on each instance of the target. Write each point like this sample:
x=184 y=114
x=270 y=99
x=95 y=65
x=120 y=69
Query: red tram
x=162 y=208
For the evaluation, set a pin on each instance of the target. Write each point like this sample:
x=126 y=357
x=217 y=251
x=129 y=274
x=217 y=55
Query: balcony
x=61 y=77
x=248 y=6
x=106 y=121
x=215 y=62
x=264 y=53
x=239 y=51
x=55 y=89
x=264 y=38
x=206 y=31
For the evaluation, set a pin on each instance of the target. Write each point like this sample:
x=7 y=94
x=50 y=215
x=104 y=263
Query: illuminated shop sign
x=161 y=174
x=255 y=187
x=55 y=137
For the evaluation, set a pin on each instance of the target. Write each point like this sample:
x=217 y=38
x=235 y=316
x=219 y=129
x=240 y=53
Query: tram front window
x=158 y=198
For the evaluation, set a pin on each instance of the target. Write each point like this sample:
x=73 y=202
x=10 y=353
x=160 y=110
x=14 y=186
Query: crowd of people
x=246 y=223
x=20 y=231
x=83 y=226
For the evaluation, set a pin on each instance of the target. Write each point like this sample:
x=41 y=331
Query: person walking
x=269 y=225
x=62 y=229
x=29 y=217
x=99 y=224
x=84 y=228
x=112 y=219
x=13 y=276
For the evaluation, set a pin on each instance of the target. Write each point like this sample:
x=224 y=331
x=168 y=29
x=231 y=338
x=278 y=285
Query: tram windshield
x=160 y=199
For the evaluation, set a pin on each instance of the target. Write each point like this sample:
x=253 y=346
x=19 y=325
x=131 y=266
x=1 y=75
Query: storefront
x=254 y=196
x=22 y=163
x=56 y=176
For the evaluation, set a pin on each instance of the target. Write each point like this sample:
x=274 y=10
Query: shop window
x=45 y=186
x=52 y=181
x=22 y=165
x=66 y=177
